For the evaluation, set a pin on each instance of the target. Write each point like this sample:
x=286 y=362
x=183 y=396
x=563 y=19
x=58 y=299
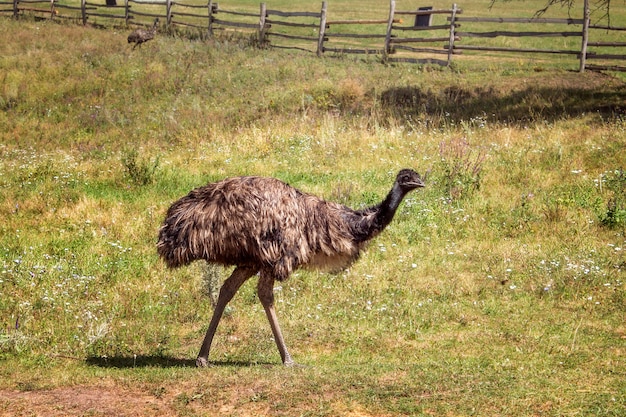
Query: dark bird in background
x=262 y=225
x=139 y=36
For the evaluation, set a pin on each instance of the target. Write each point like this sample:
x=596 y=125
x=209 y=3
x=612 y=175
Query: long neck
x=374 y=219
x=387 y=209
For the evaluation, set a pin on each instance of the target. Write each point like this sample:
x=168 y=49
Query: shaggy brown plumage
x=139 y=36
x=264 y=225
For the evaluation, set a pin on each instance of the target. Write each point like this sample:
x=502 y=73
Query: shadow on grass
x=157 y=361
x=549 y=98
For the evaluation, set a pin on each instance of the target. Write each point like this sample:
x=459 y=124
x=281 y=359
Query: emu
x=264 y=226
x=140 y=36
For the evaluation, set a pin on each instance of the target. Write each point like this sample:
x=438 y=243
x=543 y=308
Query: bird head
x=409 y=180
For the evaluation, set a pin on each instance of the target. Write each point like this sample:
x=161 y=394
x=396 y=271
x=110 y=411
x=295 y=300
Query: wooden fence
x=422 y=35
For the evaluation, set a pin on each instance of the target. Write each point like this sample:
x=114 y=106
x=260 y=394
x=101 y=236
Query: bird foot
x=202 y=362
x=291 y=364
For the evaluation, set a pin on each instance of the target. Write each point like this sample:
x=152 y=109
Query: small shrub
x=554 y=209
x=139 y=171
x=350 y=94
x=347 y=95
x=614 y=184
x=323 y=96
x=13 y=340
x=461 y=166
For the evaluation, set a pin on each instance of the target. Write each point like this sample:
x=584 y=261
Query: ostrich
x=262 y=225
x=140 y=36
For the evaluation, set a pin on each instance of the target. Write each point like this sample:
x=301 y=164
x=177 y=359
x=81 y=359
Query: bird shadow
x=161 y=361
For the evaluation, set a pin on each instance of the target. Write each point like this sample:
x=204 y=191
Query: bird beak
x=418 y=184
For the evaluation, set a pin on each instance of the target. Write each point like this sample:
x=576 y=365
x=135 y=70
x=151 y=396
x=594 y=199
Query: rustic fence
x=422 y=35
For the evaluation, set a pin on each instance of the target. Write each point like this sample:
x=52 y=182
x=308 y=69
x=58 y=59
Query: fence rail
x=393 y=38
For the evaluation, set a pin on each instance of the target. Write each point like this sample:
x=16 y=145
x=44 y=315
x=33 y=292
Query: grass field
x=497 y=290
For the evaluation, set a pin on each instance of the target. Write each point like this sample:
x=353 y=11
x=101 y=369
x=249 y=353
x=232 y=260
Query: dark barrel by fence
x=424 y=20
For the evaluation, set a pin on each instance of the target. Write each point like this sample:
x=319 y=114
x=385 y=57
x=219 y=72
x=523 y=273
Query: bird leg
x=265 y=291
x=228 y=290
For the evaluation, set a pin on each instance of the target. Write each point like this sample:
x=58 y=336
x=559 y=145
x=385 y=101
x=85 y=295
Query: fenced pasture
x=497 y=290
x=404 y=32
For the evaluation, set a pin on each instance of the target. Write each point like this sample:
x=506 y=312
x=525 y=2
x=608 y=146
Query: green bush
x=140 y=171
x=614 y=185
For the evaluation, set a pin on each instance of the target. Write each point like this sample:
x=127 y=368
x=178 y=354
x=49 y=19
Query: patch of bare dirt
x=186 y=399
x=82 y=400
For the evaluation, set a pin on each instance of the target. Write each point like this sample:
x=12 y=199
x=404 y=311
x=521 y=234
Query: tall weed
x=139 y=170
x=614 y=186
x=461 y=165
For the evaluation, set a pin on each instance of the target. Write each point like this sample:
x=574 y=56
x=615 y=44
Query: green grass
x=497 y=290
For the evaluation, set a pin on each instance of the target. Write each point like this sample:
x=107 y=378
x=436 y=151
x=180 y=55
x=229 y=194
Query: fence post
x=126 y=12
x=168 y=13
x=52 y=10
x=210 y=28
x=262 y=16
x=83 y=11
x=452 y=34
x=15 y=8
x=583 y=49
x=392 y=11
x=322 y=31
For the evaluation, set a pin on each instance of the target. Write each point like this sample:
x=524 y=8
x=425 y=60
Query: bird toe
x=202 y=362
